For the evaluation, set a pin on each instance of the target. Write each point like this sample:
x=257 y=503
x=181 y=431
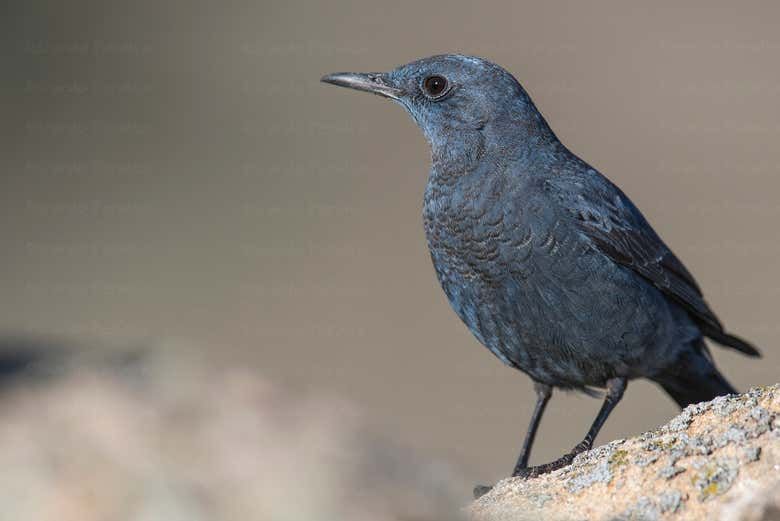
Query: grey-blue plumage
x=546 y=261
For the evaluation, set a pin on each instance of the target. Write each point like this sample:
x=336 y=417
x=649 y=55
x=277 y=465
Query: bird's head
x=449 y=95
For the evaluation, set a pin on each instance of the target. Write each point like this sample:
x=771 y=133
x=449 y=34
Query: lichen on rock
x=707 y=463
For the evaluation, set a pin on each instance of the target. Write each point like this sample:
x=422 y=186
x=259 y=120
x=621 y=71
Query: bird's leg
x=543 y=393
x=615 y=389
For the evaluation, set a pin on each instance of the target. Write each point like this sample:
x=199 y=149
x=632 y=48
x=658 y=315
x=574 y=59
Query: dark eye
x=435 y=86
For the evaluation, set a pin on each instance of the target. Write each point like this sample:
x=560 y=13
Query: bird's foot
x=533 y=472
x=563 y=461
x=481 y=490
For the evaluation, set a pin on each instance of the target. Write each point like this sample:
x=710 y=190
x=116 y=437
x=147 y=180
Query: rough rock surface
x=717 y=460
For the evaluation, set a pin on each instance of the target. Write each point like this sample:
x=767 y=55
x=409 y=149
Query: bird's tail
x=732 y=341
x=695 y=379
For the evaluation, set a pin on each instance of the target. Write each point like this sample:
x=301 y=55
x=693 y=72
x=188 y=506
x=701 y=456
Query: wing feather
x=620 y=231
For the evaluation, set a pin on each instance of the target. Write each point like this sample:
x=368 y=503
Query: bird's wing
x=619 y=230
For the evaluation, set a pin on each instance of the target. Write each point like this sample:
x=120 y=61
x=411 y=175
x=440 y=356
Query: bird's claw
x=535 y=472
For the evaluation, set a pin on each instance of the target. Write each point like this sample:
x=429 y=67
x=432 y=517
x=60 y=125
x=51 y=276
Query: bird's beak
x=376 y=82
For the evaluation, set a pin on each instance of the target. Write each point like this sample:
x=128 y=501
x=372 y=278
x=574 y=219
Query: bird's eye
x=435 y=86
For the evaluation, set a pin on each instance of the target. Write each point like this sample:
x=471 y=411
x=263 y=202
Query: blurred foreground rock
x=718 y=460
x=164 y=436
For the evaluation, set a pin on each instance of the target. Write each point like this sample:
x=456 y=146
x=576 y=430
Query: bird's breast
x=464 y=230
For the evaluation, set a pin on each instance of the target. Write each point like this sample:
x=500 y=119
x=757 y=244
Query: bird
x=547 y=262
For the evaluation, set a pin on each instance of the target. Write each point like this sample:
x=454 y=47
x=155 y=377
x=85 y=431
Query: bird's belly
x=572 y=328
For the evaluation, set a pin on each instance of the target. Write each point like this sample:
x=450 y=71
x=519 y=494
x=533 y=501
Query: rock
x=167 y=436
x=717 y=460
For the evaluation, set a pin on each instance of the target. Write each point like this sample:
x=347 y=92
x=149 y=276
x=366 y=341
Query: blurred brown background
x=176 y=171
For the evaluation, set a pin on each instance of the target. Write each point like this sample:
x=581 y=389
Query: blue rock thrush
x=549 y=264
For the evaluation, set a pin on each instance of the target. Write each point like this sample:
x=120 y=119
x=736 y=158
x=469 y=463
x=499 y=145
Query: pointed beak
x=376 y=82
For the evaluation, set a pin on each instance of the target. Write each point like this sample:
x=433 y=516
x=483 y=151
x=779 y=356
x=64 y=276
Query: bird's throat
x=459 y=154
